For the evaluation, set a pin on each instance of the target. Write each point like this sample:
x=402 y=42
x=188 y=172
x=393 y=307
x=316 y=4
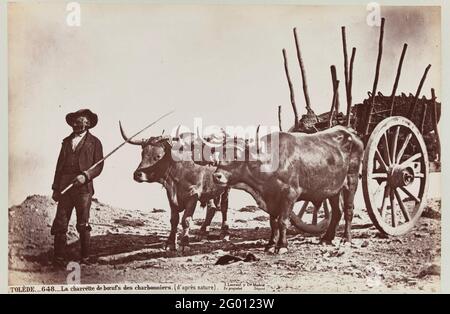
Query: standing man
x=79 y=151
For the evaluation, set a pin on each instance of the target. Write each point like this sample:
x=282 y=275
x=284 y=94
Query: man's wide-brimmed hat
x=82 y=112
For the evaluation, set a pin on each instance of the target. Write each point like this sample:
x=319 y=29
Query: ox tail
x=318 y=229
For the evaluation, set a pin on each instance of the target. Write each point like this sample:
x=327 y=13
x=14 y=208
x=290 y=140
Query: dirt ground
x=127 y=248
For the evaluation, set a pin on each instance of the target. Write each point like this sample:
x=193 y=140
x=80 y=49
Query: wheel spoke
x=419 y=175
x=391 y=198
x=402 y=150
x=303 y=209
x=394 y=145
x=314 y=218
x=386 y=148
x=409 y=194
x=380 y=186
x=383 y=203
x=411 y=159
x=380 y=159
x=402 y=206
x=379 y=175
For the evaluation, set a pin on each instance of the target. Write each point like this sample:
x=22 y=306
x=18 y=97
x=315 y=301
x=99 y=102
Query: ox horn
x=257 y=139
x=225 y=138
x=177 y=133
x=206 y=142
x=129 y=140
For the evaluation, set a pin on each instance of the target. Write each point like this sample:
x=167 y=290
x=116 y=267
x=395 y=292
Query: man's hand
x=79 y=180
x=56 y=195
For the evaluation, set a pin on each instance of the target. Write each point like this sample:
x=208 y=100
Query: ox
x=185 y=182
x=311 y=167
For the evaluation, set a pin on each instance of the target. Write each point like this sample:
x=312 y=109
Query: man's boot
x=85 y=242
x=59 y=251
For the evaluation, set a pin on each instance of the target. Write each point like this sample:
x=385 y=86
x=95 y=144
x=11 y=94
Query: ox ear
x=165 y=140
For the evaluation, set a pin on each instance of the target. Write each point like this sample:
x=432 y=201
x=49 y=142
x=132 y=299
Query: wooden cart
x=401 y=146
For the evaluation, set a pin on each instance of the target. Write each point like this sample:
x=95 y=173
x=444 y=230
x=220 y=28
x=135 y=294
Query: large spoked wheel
x=395 y=175
x=311 y=219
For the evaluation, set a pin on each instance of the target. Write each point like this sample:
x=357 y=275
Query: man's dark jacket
x=90 y=152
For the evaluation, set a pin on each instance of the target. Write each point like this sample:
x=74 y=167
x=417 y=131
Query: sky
x=222 y=63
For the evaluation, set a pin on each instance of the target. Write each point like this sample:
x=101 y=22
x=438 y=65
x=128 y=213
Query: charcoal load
x=422 y=115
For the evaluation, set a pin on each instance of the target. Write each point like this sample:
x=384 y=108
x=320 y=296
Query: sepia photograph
x=224 y=148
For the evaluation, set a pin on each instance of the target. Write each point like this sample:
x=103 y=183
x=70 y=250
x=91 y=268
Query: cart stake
x=416 y=97
x=397 y=77
x=279 y=118
x=377 y=74
x=291 y=90
x=350 y=82
x=303 y=72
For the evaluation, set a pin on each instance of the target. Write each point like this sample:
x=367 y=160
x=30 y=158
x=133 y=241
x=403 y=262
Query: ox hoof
x=325 y=241
x=281 y=250
x=270 y=249
x=346 y=242
x=172 y=247
x=224 y=236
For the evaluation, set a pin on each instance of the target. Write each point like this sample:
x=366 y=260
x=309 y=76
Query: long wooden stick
x=397 y=77
x=334 y=80
x=424 y=114
x=279 y=118
x=377 y=74
x=434 y=119
x=350 y=82
x=115 y=149
x=344 y=47
x=333 y=103
x=419 y=88
x=291 y=90
x=303 y=72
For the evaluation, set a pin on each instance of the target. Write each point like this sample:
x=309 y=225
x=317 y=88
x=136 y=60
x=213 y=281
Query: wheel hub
x=400 y=176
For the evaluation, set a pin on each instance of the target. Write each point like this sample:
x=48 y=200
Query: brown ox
x=311 y=167
x=185 y=182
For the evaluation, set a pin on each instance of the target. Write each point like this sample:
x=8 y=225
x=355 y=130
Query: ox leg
x=349 y=196
x=225 y=230
x=174 y=220
x=210 y=212
x=282 y=243
x=335 y=218
x=186 y=221
x=274 y=236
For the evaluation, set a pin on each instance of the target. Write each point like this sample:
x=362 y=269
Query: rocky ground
x=127 y=248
